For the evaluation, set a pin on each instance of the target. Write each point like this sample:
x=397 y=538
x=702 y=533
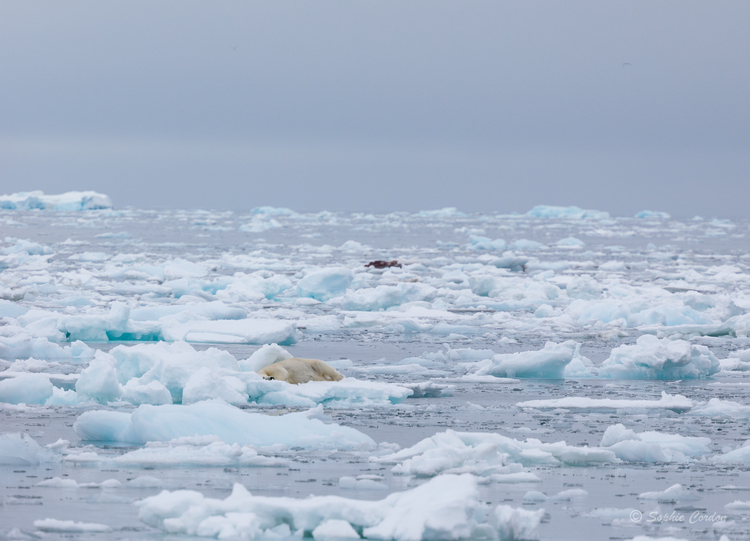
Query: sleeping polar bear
x=296 y=370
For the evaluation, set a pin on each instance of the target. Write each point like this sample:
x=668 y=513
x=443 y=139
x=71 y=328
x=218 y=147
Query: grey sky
x=351 y=105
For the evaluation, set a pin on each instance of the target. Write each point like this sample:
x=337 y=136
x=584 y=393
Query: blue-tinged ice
x=446 y=507
x=548 y=363
x=654 y=358
x=26 y=389
x=653 y=214
x=87 y=200
x=21 y=450
x=551 y=211
x=217 y=418
x=651 y=446
x=324 y=284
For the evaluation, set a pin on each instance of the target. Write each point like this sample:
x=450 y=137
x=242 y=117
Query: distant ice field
x=560 y=374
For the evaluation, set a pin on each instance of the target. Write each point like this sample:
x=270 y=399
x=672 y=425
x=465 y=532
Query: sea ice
x=87 y=200
x=69 y=526
x=446 y=507
x=485 y=454
x=215 y=453
x=215 y=418
x=549 y=362
x=22 y=450
x=324 y=284
x=26 y=389
x=653 y=446
x=677 y=403
x=671 y=495
x=654 y=358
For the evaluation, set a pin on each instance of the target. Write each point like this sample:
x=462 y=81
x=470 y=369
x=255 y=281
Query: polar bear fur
x=296 y=370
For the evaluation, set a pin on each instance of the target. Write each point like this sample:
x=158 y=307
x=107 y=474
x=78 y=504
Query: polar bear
x=296 y=370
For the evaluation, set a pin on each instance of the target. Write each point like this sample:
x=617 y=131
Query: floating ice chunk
x=184 y=312
x=716 y=407
x=384 y=296
x=273 y=211
x=361 y=484
x=446 y=507
x=738 y=505
x=98 y=382
x=36 y=199
x=59 y=482
x=447 y=212
x=145 y=481
x=737 y=361
x=611 y=513
x=654 y=358
x=550 y=211
x=164 y=423
x=653 y=214
x=486 y=454
x=20 y=449
x=637 y=313
x=217 y=454
x=534 y=496
x=653 y=446
x=95 y=327
x=549 y=362
x=26 y=389
x=677 y=403
x=69 y=526
x=324 y=284
x=741 y=454
x=239 y=331
x=670 y=495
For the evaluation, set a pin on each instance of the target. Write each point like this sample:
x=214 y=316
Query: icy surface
x=216 y=418
x=446 y=507
x=66 y=201
x=561 y=357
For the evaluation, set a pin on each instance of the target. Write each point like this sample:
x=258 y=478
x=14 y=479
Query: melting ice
x=558 y=374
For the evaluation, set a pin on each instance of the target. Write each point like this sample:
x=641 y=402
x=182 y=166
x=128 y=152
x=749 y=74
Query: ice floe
x=216 y=418
x=677 y=403
x=21 y=450
x=549 y=362
x=446 y=507
x=488 y=455
x=653 y=446
x=67 y=201
x=654 y=358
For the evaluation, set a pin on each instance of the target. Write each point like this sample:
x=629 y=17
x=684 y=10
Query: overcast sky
x=380 y=105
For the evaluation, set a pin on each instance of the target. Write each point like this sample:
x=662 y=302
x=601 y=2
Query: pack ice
x=564 y=358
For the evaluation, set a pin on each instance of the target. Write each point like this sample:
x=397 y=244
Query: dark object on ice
x=380 y=264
